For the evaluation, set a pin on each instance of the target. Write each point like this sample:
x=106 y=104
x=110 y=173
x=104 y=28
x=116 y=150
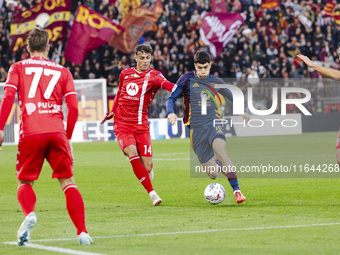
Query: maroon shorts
x=131 y=135
x=33 y=149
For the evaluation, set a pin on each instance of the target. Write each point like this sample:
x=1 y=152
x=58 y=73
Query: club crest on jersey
x=132 y=89
x=135 y=75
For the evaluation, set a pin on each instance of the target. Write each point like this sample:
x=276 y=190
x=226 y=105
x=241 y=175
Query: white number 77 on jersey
x=38 y=71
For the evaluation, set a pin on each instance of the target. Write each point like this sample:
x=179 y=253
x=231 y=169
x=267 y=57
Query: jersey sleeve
x=163 y=83
x=69 y=87
x=72 y=113
x=13 y=77
x=177 y=91
x=71 y=102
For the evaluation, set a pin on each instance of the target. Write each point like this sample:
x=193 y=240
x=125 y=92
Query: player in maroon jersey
x=41 y=85
x=137 y=87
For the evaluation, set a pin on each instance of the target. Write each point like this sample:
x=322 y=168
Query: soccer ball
x=42 y=20
x=214 y=193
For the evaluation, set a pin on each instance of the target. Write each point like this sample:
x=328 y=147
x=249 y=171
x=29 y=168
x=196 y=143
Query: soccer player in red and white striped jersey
x=41 y=85
x=137 y=88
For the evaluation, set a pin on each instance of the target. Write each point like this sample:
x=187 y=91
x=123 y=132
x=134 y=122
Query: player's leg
x=144 y=149
x=218 y=146
x=138 y=168
x=30 y=159
x=211 y=168
x=127 y=141
x=141 y=172
x=27 y=199
x=199 y=141
x=76 y=209
x=147 y=162
x=60 y=158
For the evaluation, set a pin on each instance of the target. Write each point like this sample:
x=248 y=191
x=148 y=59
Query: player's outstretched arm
x=108 y=116
x=325 y=71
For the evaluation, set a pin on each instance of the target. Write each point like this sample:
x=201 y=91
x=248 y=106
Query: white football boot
x=85 y=239
x=24 y=232
x=156 y=200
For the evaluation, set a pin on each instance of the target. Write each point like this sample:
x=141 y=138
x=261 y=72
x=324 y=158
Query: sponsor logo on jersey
x=127 y=76
x=131 y=98
x=196 y=85
x=30 y=108
x=54 y=107
x=132 y=89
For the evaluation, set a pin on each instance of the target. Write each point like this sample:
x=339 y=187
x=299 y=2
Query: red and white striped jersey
x=135 y=93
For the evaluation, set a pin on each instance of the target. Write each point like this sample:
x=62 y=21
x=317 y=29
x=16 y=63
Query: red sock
x=75 y=207
x=26 y=198
x=141 y=173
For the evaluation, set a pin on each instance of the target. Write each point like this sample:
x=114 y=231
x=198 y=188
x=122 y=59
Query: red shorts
x=337 y=145
x=131 y=135
x=33 y=149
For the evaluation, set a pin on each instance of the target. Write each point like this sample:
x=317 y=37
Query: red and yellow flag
x=51 y=15
x=136 y=23
x=270 y=4
x=329 y=9
x=125 y=5
x=89 y=30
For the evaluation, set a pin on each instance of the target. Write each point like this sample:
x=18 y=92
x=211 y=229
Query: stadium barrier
x=291 y=124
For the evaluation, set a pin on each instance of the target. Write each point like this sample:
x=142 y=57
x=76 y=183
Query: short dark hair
x=202 y=57
x=37 y=40
x=143 y=48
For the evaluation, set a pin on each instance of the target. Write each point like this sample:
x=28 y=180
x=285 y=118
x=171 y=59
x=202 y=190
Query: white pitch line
x=56 y=249
x=194 y=232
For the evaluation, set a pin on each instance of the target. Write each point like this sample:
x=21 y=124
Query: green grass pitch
x=280 y=216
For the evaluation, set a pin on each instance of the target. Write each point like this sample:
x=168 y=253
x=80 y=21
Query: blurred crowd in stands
x=265 y=47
